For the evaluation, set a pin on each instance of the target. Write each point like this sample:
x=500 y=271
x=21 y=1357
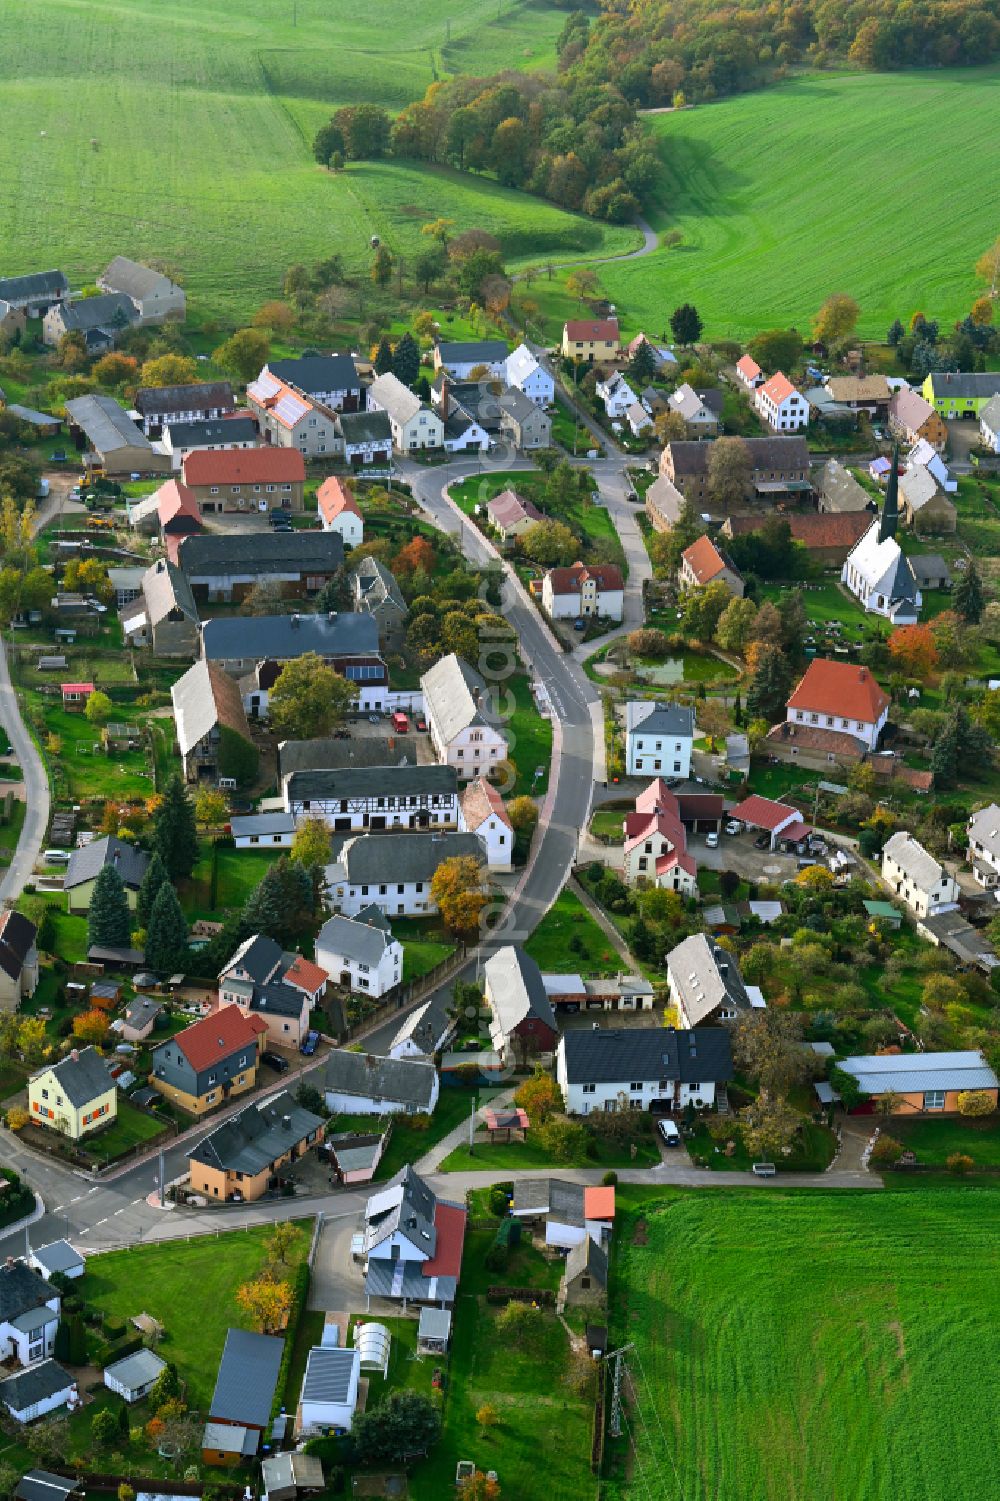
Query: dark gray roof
x=57 y=1256
x=330 y=1373
x=278 y=999
x=315 y=373
x=211 y=431
x=587 y=1256
x=381 y=1282
x=555 y=1197
x=706 y=976
x=42 y=1485
x=662 y=719
x=514 y=404
x=611 y=1055
x=141 y=1010
x=516 y=989
x=21 y=1288
x=427 y=1024
x=86 y=864
x=965 y=383
x=82 y=1078
x=365 y=427
x=250 y=1141
x=107 y=425
x=38 y=1382
x=372 y=781
x=201 y=397
x=282 y=637
x=110 y=310
x=248 y=1376
x=323 y=755
x=258 y=955
x=17 y=939
x=929 y=565
x=261 y=823
x=204 y=555
x=352 y=938
x=408 y=1206
x=406 y=1081
x=375 y=859
x=474 y=352
x=38 y=284
x=767 y=455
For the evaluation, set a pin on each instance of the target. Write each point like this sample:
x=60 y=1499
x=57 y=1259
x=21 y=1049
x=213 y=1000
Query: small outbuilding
x=40 y=1389
x=286 y=1474
x=373 y=1342
x=329 y=1390
x=434 y=1331
x=57 y=1256
x=134 y=1377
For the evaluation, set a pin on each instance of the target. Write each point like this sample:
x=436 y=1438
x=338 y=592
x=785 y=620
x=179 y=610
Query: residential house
x=512 y=515
x=571 y=1212
x=134 y=1377
x=254 y=979
x=255 y=648
x=958 y=394
x=57 y=1256
x=703 y=563
x=922 y=505
x=75 y=696
x=154 y=296
x=916 y=876
x=241 y=1405
x=524 y=372
x=364 y=1084
x=366 y=440
x=287 y=419
x=840 y=697
x=984 y=845
x=465 y=361
x=75 y=1096
x=781 y=821
x=779 y=468
x=176 y=514
x=749 y=372
x=158 y=406
x=699 y=421
x=584 y=1282
x=622 y=1068
x=664 y=504
x=523 y=1023
x=100 y=321
x=664 y=358
x=127 y=584
x=877 y=571
x=113 y=441
x=262 y=831
x=425 y=1031
x=861 y=393
x=329 y=1395
x=330 y=380
x=930 y=570
x=165 y=618
x=586 y=340
x=413 y=1243
x=464 y=729
x=839 y=491
x=253 y=479
x=655 y=851
x=705 y=984
x=594 y=591
x=658 y=738
x=18 y=959
x=226 y=568
x=29 y=1313
x=572 y=993
x=481 y=812
x=780 y=405
x=35 y=293
x=243 y=1157
x=920 y=1083
x=828 y=537
x=616 y=395
x=638 y=419
x=210 y=1062
x=989 y=425
x=339 y=512
x=463 y=432
x=524 y=423
x=85 y=865
x=33 y=1393
x=924 y=455
x=208 y=710
x=223 y=434
x=139 y=1018
x=912 y=417
x=354 y=798
x=394 y=874
x=376 y=593
x=360 y=954
x=414 y=425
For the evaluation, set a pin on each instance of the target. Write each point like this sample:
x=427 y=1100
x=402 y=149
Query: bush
x=975 y=1102
x=499 y=1201
x=887 y=1151
x=610 y=1178
x=959 y=1164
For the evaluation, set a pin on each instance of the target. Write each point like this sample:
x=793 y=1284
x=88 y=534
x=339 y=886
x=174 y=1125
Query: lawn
x=765 y=242
x=529 y=738
x=510 y=1158
x=935 y=1140
x=606 y=824
x=803 y=1344
x=568 y=940
x=239 y=872
x=10 y=832
x=409 y=1141
x=132 y=1128
x=425 y=944
x=82 y=768
x=812 y=1153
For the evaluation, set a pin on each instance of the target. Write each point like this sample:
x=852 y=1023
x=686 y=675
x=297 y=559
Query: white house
x=989 y=425
x=878 y=572
x=413 y=1243
x=750 y=373
x=984 y=845
x=924 y=455
x=658 y=739
x=915 y=876
x=252 y=831
x=360 y=953
x=368 y=1084
x=329 y=1389
x=29 y=1313
x=779 y=405
x=393 y=873
x=584 y=591
x=638 y=419
x=524 y=372
x=704 y=983
x=614 y=1068
x=339 y=511
x=462 y=359
x=655 y=851
x=481 y=812
x=842 y=697
x=31 y=1394
x=426 y=1031
x=135 y=1376
x=414 y=425
x=616 y=394
x=355 y=798
x=464 y=729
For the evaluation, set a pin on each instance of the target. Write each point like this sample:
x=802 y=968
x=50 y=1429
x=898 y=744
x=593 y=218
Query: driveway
x=737 y=853
x=337 y=1282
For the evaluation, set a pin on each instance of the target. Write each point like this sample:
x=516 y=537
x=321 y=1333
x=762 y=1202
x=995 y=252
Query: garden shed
x=434 y=1331
x=133 y=1377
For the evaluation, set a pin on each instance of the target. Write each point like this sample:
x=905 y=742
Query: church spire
x=890 y=510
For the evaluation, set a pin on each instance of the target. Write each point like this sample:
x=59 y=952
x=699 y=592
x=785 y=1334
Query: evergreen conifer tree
x=969 y=599
x=156 y=875
x=109 y=921
x=175 y=836
x=167 y=933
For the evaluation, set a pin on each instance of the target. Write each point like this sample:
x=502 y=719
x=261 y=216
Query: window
x=933 y=1099
x=589 y=1088
x=693 y=1088
x=636 y=1084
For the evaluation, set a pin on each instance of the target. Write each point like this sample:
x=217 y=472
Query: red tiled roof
x=676 y=857
x=479 y=802
x=778 y=388
x=599 y=328
x=449 y=1222
x=244 y=466
x=815 y=737
x=305 y=975
x=841 y=689
x=77 y=687
x=599 y=1203
x=814 y=529
x=333 y=498
x=796 y=832
x=507 y=508
x=571 y=580
x=764 y=813
x=656 y=795
x=749 y=367
x=655 y=823
x=219 y=1035
x=704 y=559
x=177 y=509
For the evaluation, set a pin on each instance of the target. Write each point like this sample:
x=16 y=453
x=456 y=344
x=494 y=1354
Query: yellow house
x=75 y=1095
x=587 y=340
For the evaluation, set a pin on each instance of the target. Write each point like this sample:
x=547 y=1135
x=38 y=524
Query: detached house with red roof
x=593 y=591
x=339 y=512
x=210 y=1062
x=254 y=479
x=750 y=373
x=841 y=697
x=413 y=1244
x=591 y=339
x=481 y=811
x=777 y=402
x=703 y=563
x=655 y=851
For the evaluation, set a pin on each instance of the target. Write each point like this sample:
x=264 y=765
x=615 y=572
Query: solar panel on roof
x=290 y=408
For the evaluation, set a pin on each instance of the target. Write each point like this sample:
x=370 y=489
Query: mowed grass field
x=831 y=183
x=811 y=1345
x=184 y=133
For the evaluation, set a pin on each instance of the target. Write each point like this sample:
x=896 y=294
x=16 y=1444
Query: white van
x=670 y=1133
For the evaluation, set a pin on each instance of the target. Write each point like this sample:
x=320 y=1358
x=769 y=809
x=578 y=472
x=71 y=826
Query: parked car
x=275 y=1061
x=374 y=718
x=671 y=1135
x=762 y=842
x=712 y=840
x=421 y=724
x=734 y=826
x=310 y=1043
x=579 y=625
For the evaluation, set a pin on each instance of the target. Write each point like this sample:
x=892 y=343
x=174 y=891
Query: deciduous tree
x=243 y=355
x=975 y=1102
x=405 y=1424
x=210 y=807
x=308 y=699
x=456 y=887
x=913 y=649
x=540 y=1096
x=776 y=349
x=550 y=543
x=769 y=1125
x=836 y=319
x=311 y=845
x=266 y=1301
x=91 y=1026
x=729 y=471
x=523 y=814
x=170 y=370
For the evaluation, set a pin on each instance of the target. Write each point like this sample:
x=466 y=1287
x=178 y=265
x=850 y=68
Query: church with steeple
x=877 y=571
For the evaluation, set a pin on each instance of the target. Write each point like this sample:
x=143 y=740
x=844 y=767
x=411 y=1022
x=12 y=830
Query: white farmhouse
x=393 y=873
x=784 y=409
x=426 y=1031
x=658 y=739
x=464 y=730
x=616 y=394
x=842 y=698
x=481 y=812
x=586 y=591
x=359 y=953
x=339 y=511
x=524 y=372
x=414 y=426
x=915 y=876
x=356 y=798
x=984 y=845
x=616 y=1068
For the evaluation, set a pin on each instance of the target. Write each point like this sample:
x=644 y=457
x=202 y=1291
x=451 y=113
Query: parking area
x=737 y=852
x=576 y=1021
x=413 y=741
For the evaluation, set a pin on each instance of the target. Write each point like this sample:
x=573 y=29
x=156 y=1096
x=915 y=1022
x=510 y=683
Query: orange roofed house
x=703 y=563
x=591 y=340
x=210 y=1062
x=784 y=409
x=750 y=372
x=339 y=511
x=289 y=419
x=840 y=698
x=252 y=479
x=588 y=591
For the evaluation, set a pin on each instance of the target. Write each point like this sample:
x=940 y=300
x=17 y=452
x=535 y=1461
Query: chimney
x=74 y=1055
x=445 y=403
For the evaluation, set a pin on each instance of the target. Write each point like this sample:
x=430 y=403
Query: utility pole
x=163 y=1174
x=472 y=1117
x=616 y=1357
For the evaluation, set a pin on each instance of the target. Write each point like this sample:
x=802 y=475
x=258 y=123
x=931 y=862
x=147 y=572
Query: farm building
x=115 y=443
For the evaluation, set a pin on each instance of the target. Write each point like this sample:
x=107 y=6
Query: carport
x=781 y=822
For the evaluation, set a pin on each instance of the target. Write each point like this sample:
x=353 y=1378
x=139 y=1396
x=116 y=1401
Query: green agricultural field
x=805 y=1345
x=196 y=149
x=818 y=186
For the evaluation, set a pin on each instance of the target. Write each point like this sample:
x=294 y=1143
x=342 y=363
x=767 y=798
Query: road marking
x=119 y=1211
x=58 y=1209
x=85 y=1232
x=101 y=1222
x=91 y=1190
x=77 y=1199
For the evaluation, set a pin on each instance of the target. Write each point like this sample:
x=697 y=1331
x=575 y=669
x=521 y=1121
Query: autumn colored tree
x=115 y=369
x=169 y=370
x=456 y=888
x=266 y=1301
x=17 y=1118
x=836 y=319
x=540 y=1096
x=523 y=813
x=768 y=1125
x=479 y=1486
x=308 y=699
x=91 y=1026
x=276 y=315
x=487 y=1415
x=416 y=554
x=988 y=267
x=714 y=720
x=243 y=355
x=210 y=807
x=311 y=845
x=974 y=1102
x=914 y=650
